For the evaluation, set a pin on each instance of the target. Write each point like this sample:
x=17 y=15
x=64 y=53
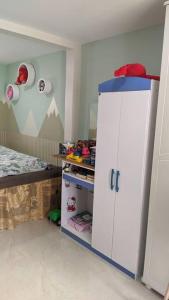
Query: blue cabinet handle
x=112 y=176
x=117 y=181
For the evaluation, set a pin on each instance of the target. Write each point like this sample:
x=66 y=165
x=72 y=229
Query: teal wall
x=52 y=67
x=3 y=70
x=3 y=108
x=101 y=58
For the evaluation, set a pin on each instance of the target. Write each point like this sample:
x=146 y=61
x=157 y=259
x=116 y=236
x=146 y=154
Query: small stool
x=166 y=297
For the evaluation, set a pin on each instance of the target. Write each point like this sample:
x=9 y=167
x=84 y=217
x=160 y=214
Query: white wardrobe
x=125 y=135
x=156 y=269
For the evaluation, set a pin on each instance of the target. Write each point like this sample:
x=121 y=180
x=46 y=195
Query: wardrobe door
x=133 y=139
x=106 y=163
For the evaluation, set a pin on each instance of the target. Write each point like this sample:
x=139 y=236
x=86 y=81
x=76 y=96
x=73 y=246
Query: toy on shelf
x=62 y=149
x=93 y=155
x=80 y=172
x=71 y=204
x=68 y=147
x=70 y=150
x=66 y=168
x=12 y=93
x=75 y=157
x=23 y=75
x=26 y=75
x=85 y=151
x=81 y=222
x=44 y=86
x=80 y=152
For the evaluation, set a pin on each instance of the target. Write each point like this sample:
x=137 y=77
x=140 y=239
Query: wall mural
x=7 y=118
x=30 y=127
x=37 y=114
x=12 y=125
x=4 y=113
x=52 y=127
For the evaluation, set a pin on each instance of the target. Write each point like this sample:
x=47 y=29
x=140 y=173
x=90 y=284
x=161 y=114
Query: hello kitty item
x=71 y=204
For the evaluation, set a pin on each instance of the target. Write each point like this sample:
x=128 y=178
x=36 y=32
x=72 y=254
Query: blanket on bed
x=15 y=163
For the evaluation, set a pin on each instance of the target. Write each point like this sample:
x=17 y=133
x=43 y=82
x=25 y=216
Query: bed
x=28 y=188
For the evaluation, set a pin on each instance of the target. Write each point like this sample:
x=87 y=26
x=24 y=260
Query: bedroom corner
x=35 y=123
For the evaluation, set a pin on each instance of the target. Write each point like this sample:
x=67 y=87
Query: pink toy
x=10 y=93
x=85 y=151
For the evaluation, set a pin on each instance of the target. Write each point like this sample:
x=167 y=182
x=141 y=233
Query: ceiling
x=15 y=48
x=84 y=20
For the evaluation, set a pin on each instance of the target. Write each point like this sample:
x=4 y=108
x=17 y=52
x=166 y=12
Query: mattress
x=16 y=163
x=18 y=169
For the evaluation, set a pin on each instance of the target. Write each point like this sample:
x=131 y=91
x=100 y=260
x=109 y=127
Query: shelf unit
x=73 y=162
x=81 y=182
x=86 y=236
x=82 y=191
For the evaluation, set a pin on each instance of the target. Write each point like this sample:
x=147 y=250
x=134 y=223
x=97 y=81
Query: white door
x=106 y=162
x=133 y=138
x=156 y=269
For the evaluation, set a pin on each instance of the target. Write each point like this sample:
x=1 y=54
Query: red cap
x=131 y=70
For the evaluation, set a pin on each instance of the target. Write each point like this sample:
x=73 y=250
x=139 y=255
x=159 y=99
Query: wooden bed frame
x=29 y=199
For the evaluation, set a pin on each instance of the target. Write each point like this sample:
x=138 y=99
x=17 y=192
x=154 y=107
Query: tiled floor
x=38 y=262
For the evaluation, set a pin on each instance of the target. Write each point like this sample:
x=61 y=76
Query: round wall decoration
x=12 y=92
x=44 y=86
x=26 y=75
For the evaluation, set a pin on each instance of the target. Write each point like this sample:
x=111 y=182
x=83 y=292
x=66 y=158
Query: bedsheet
x=15 y=163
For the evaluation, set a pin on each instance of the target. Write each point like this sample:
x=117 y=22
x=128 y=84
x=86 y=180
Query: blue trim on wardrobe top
x=88 y=246
x=124 y=84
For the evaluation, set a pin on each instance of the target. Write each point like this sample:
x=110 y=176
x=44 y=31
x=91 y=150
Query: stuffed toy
x=23 y=75
x=10 y=93
x=134 y=70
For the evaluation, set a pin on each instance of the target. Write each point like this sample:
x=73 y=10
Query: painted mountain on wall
x=7 y=118
x=52 y=128
x=12 y=123
x=30 y=127
x=3 y=115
